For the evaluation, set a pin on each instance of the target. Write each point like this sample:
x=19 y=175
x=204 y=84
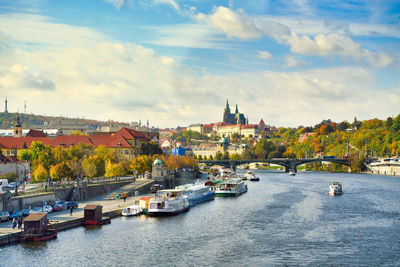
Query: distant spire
x=5 y=110
x=25 y=107
x=227 y=106
x=237 y=110
x=18 y=121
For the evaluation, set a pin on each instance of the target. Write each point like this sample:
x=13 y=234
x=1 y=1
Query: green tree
x=61 y=170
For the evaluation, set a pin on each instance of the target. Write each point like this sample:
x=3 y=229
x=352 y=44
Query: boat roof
x=34 y=217
x=171 y=190
x=91 y=207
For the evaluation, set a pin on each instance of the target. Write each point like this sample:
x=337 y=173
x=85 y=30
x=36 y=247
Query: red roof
x=36 y=133
x=19 y=142
x=249 y=126
x=262 y=121
x=227 y=126
x=130 y=134
x=208 y=125
x=70 y=140
x=109 y=141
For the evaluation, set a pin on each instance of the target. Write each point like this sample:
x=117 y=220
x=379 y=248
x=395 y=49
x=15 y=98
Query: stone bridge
x=289 y=164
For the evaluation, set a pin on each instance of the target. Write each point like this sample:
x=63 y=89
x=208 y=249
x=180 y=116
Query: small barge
x=93 y=215
x=37 y=228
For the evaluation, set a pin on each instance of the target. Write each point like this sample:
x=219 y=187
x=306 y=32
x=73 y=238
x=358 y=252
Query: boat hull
x=105 y=220
x=200 y=199
x=256 y=179
x=49 y=236
x=161 y=213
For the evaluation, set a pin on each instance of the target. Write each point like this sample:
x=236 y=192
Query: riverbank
x=63 y=220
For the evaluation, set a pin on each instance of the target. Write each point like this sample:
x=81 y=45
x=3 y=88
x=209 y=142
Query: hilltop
x=8 y=120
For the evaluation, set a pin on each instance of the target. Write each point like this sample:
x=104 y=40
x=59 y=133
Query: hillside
x=8 y=120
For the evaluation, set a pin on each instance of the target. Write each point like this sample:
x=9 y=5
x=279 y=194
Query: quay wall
x=13 y=238
x=386 y=169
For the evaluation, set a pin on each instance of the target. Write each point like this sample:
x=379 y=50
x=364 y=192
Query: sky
x=176 y=63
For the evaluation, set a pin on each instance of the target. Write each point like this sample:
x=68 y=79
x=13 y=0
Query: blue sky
x=176 y=62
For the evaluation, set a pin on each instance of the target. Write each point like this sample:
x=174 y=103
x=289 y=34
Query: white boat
x=292 y=173
x=335 y=188
x=197 y=193
x=226 y=173
x=251 y=175
x=133 y=210
x=228 y=188
x=168 y=202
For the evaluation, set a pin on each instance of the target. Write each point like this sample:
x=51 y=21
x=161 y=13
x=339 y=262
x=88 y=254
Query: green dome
x=223 y=140
x=157 y=162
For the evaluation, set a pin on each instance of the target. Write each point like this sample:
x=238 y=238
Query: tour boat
x=251 y=175
x=292 y=173
x=335 y=188
x=197 y=193
x=133 y=210
x=228 y=188
x=168 y=202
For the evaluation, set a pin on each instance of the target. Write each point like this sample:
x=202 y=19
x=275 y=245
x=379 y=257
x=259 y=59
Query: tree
x=141 y=164
x=114 y=170
x=60 y=170
x=105 y=153
x=39 y=173
x=150 y=148
x=89 y=168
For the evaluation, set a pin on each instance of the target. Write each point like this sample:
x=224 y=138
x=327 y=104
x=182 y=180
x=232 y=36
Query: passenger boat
x=292 y=173
x=197 y=193
x=230 y=188
x=226 y=173
x=335 y=188
x=168 y=202
x=251 y=175
x=37 y=228
x=133 y=210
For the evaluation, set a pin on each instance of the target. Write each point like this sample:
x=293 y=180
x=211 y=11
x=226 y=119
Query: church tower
x=5 y=110
x=227 y=112
x=236 y=110
x=18 y=128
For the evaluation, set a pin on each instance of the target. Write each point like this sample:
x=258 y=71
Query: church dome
x=157 y=162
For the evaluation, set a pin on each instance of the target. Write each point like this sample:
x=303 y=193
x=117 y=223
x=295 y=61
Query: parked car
x=16 y=214
x=37 y=209
x=4 y=216
x=25 y=212
x=12 y=185
x=72 y=204
x=47 y=209
x=57 y=207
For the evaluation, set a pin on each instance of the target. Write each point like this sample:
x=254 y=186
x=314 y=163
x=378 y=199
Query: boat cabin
x=35 y=224
x=37 y=228
x=144 y=203
x=93 y=213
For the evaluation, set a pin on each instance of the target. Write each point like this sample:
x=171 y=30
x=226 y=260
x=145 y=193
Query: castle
x=234 y=118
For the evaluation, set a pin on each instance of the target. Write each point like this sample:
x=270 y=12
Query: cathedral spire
x=227 y=106
x=237 y=110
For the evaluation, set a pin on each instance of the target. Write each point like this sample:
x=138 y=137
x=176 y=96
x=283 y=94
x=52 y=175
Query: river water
x=281 y=220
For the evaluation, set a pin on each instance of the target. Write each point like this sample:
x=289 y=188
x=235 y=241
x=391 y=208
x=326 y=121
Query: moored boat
x=197 y=193
x=93 y=215
x=335 y=188
x=230 y=188
x=292 y=173
x=37 y=228
x=133 y=210
x=168 y=202
x=251 y=175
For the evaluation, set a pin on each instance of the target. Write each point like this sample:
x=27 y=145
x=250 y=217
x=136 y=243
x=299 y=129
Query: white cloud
x=291 y=62
x=118 y=3
x=240 y=25
x=264 y=55
x=91 y=75
x=233 y=24
x=172 y=3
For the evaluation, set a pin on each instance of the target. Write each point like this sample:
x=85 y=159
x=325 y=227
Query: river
x=281 y=220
